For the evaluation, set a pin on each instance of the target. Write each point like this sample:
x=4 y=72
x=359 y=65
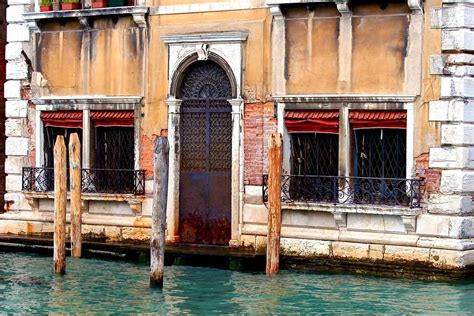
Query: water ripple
x=27 y=285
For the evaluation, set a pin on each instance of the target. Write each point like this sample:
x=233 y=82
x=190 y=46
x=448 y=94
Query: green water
x=27 y=285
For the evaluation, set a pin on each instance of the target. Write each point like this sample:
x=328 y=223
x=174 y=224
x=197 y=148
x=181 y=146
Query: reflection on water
x=27 y=285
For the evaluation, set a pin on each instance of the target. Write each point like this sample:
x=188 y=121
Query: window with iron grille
x=114 y=150
x=314 y=154
x=380 y=153
x=50 y=135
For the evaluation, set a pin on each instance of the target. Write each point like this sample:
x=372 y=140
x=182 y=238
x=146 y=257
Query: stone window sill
x=135 y=201
x=84 y=15
x=352 y=208
x=340 y=212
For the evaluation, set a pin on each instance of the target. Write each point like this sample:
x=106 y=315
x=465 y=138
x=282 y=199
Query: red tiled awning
x=65 y=119
x=316 y=121
x=113 y=118
x=378 y=119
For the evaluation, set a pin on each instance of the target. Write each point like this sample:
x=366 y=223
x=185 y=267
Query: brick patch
x=146 y=154
x=431 y=177
x=259 y=123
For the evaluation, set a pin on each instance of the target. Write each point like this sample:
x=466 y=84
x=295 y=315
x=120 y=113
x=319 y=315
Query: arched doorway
x=206 y=155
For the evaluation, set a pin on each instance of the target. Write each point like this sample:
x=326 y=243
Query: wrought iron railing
x=37 y=179
x=114 y=181
x=348 y=190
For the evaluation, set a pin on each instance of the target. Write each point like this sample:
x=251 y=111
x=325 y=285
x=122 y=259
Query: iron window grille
x=314 y=153
x=111 y=181
x=349 y=190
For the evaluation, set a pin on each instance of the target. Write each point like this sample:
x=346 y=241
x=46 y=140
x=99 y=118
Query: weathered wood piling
x=158 y=226
x=75 y=184
x=60 y=191
x=275 y=161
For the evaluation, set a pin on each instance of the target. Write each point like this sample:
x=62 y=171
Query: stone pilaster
x=16 y=125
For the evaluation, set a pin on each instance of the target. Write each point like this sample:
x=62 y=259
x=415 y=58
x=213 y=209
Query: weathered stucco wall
x=428 y=134
x=107 y=60
x=377 y=51
x=312 y=43
x=379 y=48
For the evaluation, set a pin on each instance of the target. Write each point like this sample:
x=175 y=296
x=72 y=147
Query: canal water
x=27 y=285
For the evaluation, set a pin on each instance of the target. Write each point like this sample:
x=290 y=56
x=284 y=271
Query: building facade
x=372 y=99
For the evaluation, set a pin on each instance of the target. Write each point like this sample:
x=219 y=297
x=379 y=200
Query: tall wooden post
x=158 y=226
x=60 y=191
x=75 y=183
x=275 y=161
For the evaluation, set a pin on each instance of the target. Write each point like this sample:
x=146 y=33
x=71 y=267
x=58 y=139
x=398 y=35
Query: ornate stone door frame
x=227 y=50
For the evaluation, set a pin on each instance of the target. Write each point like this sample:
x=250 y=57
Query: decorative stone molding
x=137 y=12
x=225 y=48
x=202 y=52
x=343 y=6
x=327 y=98
x=341 y=220
x=88 y=103
x=139 y=19
x=135 y=205
x=416 y=6
x=410 y=223
x=205 y=38
x=275 y=10
x=84 y=21
x=33 y=26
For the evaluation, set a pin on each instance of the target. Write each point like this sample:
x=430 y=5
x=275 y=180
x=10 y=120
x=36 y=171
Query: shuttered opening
x=64 y=119
x=378 y=119
x=113 y=118
x=319 y=121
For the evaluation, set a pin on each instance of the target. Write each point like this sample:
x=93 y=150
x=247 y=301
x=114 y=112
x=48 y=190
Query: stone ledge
x=356 y=98
x=80 y=102
x=135 y=201
x=138 y=13
x=351 y=208
x=87 y=219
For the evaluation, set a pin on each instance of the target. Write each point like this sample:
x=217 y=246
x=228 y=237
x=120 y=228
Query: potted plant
x=99 y=4
x=70 y=5
x=46 y=5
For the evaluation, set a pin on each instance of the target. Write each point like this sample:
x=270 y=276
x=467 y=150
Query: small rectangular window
x=114 y=159
x=380 y=153
x=314 y=154
x=50 y=135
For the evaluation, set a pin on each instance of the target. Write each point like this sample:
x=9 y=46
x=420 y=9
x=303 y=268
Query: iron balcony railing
x=348 y=190
x=112 y=181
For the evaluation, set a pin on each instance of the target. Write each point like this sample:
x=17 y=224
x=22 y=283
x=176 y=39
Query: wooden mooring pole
x=75 y=183
x=275 y=161
x=158 y=224
x=60 y=191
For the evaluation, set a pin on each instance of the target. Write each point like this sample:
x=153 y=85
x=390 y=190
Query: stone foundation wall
x=370 y=252
x=89 y=232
